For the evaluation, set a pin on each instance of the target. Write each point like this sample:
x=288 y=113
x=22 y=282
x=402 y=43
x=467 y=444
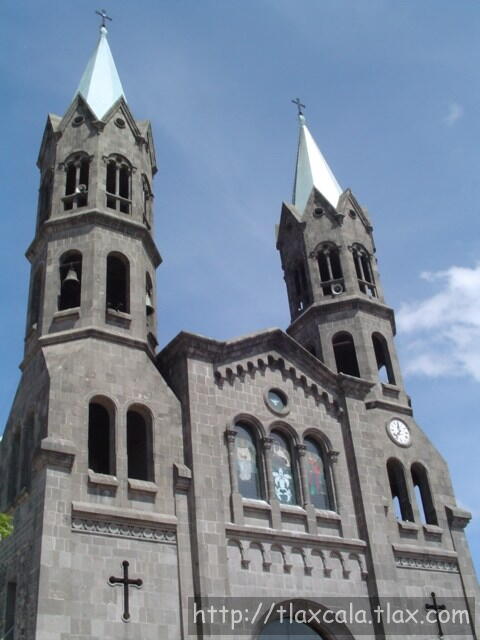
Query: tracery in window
x=330 y=268
x=77 y=169
x=247 y=462
x=118 y=184
x=282 y=470
x=363 y=269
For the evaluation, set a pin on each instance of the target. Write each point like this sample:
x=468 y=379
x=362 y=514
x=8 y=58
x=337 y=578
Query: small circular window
x=318 y=212
x=276 y=401
x=77 y=121
x=120 y=122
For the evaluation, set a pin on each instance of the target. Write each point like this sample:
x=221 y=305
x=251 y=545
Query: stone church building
x=282 y=466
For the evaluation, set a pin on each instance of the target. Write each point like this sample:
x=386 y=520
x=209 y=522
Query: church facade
x=281 y=468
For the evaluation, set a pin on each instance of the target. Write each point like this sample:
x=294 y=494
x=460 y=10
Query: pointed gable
x=312 y=170
x=100 y=85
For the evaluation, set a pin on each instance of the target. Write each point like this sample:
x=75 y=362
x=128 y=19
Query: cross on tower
x=104 y=16
x=126 y=582
x=436 y=607
x=300 y=106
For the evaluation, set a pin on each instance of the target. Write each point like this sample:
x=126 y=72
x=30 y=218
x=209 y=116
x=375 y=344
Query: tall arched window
x=45 y=197
x=101 y=437
x=70 y=280
x=423 y=494
x=382 y=355
x=294 y=631
x=398 y=487
x=319 y=488
x=283 y=471
x=330 y=268
x=301 y=292
x=139 y=445
x=147 y=202
x=247 y=462
x=35 y=299
x=77 y=169
x=363 y=268
x=345 y=354
x=118 y=283
x=118 y=184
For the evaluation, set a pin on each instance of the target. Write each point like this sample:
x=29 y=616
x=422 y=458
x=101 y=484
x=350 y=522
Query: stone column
x=276 y=520
x=235 y=497
x=307 y=505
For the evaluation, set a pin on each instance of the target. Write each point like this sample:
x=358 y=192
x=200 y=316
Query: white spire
x=311 y=171
x=100 y=85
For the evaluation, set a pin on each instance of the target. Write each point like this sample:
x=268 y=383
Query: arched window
x=147 y=202
x=70 y=280
x=139 y=445
x=319 y=488
x=384 y=364
x=118 y=283
x=301 y=293
x=118 y=184
x=423 y=494
x=247 y=462
x=398 y=487
x=294 y=631
x=77 y=169
x=45 y=197
x=149 y=308
x=363 y=268
x=345 y=354
x=282 y=469
x=330 y=268
x=101 y=437
x=35 y=299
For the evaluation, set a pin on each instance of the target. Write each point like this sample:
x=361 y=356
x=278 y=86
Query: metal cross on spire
x=104 y=16
x=300 y=106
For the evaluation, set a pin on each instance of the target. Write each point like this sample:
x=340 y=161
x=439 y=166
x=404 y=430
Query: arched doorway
x=296 y=631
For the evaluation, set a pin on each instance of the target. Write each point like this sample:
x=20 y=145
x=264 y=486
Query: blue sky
x=393 y=94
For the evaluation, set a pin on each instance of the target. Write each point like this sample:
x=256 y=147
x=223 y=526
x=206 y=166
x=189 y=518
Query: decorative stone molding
x=55 y=452
x=122 y=530
x=182 y=477
x=458 y=518
x=102 y=479
x=427 y=564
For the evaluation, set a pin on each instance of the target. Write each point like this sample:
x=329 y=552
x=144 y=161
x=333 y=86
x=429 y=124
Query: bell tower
x=93 y=256
x=326 y=244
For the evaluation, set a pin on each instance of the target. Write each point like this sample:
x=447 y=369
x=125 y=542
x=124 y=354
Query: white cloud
x=444 y=328
x=455 y=112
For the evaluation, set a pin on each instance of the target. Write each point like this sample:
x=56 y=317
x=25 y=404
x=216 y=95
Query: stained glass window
x=282 y=470
x=246 y=453
x=316 y=476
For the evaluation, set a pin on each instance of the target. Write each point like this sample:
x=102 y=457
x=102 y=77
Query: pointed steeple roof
x=312 y=170
x=100 y=85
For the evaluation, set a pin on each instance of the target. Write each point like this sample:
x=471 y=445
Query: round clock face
x=276 y=400
x=399 y=432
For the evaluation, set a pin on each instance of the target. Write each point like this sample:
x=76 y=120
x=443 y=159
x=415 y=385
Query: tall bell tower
x=94 y=430
x=337 y=308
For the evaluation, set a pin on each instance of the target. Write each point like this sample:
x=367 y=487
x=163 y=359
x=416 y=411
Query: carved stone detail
x=427 y=564
x=122 y=530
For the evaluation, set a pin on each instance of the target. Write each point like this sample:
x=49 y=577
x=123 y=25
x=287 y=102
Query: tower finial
x=104 y=16
x=300 y=108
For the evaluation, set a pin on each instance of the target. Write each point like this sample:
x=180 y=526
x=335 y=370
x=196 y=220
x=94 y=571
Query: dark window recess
x=100 y=439
x=70 y=280
x=76 y=183
x=118 y=283
x=423 y=494
x=139 y=447
x=147 y=202
x=345 y=354
x=13 y=469
x=301 y=294
x=384 y=364
x=330 y=268
x=363 y=269
x=11 y=605
x=45 y=198
x=398 y=487
x=35 y=299
x=118 y=185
